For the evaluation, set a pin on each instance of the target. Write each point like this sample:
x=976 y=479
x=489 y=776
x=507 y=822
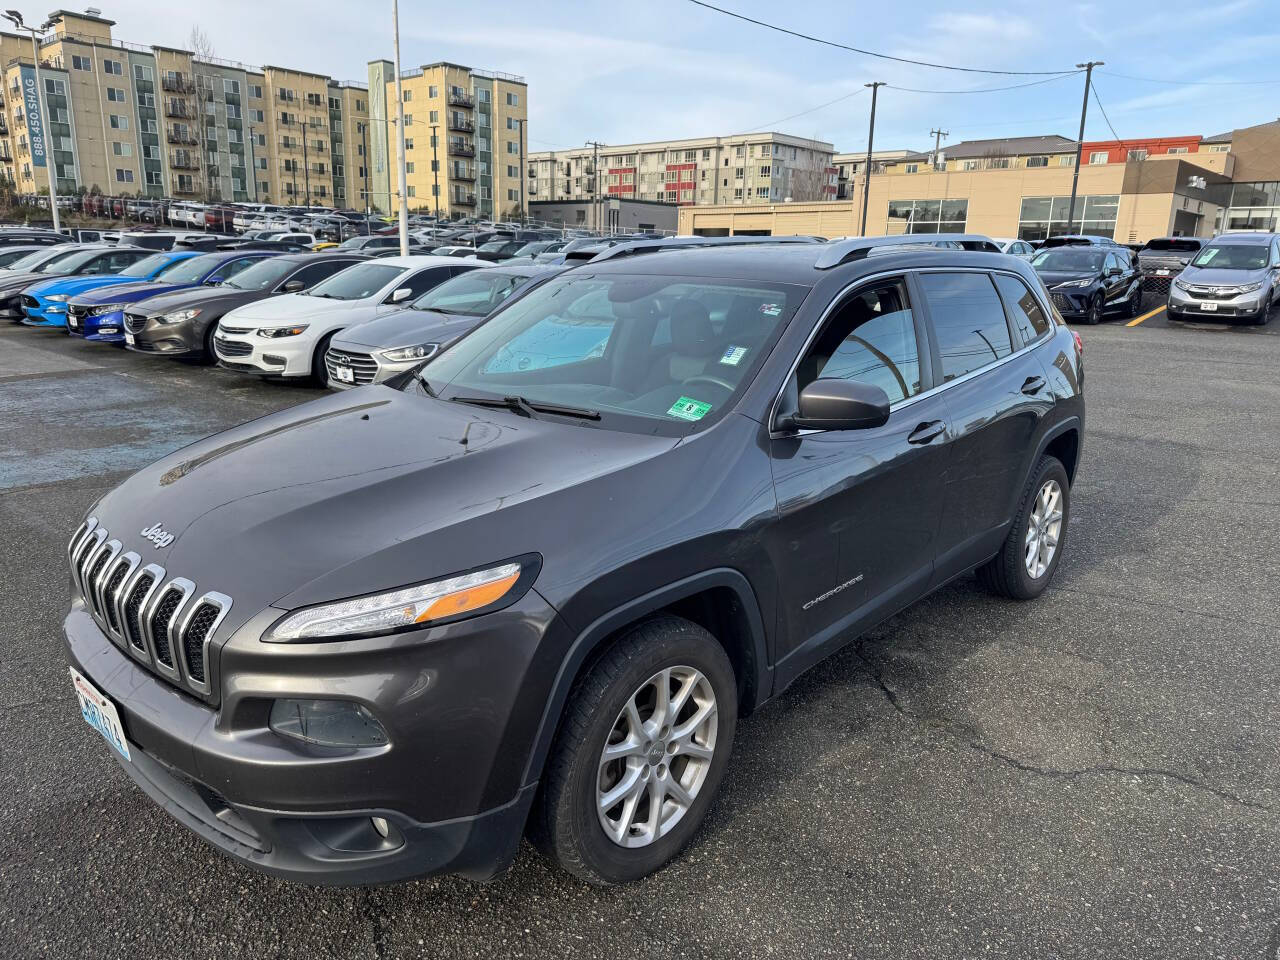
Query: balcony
x=461 y=125
x=463 y=199
x=463 y=173
x=5 y=155
x=177 y=83
x=185 y=185
x=458 y=99
x=4 y=127
x=182 y=160
x=178 y=110
x=458 y=148
x=177 y=136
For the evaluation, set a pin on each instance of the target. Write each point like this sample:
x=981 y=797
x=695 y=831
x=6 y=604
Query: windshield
x=494 y=245
x=262 y=275
x=190 y=270
x=650 y=354
x=41 y=260
x=536 y=246
x=1068 y=260
x=356 y=283
x=1234 y=256
x=355 y=243
x=147 y=265
x=72 y=263
x=474 y=294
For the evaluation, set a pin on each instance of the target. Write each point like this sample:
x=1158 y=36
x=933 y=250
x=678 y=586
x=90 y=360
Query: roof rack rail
x=847 y=249
x=668 y=243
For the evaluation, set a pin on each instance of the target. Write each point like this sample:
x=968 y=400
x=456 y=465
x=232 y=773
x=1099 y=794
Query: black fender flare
x=590 y=639
x=1065 y=425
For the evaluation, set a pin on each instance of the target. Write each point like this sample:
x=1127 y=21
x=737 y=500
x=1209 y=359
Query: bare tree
x=199 y=44
x=808 y=176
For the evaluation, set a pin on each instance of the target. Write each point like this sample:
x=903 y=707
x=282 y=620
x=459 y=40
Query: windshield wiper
x=529 y=407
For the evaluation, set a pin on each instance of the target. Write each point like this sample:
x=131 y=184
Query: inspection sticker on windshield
x=687 y=409
x=771 y=309
x=733 y=356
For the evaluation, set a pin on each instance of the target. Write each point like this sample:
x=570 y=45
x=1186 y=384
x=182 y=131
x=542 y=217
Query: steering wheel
x=705 y=378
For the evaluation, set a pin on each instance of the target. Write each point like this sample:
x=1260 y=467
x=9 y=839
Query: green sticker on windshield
x=687 y=409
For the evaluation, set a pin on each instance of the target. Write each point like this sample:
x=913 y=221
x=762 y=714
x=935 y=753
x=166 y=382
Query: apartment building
x=849 y=168
x=349 y=142
x=1129 y=190
x=465 y=132
x=743 y=168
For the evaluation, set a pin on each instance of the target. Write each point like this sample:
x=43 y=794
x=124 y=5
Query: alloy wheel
x=657 y=756
x=1044 y=529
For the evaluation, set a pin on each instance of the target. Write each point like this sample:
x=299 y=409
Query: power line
x=1014 y=86
x=1122 y=142
x=1192 y=83
x=872 y=53
x=802 y=113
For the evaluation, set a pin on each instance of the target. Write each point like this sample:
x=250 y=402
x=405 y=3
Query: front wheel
x=1032 y=550
x=640 y=753
x=319 y=371
x=1094 y=314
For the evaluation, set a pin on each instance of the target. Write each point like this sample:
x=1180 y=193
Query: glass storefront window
x=1254 y=206
x=1043 y=217
x=927 y=216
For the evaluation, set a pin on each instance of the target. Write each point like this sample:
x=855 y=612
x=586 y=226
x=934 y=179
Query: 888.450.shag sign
x=35 y=116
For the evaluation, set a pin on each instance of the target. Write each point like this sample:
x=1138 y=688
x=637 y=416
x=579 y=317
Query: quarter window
x=872 y=339
x=1023 y=307
x=968 y=321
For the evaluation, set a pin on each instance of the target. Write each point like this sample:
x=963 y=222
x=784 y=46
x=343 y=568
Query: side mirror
x=293 y=286
x=833 y=404
x=400 y=295
x=1114 y=271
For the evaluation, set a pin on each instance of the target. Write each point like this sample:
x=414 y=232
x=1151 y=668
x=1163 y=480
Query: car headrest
x=691 y=330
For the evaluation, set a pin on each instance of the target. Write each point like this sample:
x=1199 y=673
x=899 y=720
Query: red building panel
x=1118 y=151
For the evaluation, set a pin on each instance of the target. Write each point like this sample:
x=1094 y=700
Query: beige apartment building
x=1021 y=187
x=738 y=169
x=465 y=134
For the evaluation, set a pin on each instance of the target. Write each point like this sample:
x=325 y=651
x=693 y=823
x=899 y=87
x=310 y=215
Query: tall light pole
x=871 y=135
x=404 y=190
x=435 y=169
x=14 y=17
x=523 y=214
x=1084 y=109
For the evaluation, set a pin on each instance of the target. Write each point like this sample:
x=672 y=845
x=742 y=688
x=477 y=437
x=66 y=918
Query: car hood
x=129 y=292
x=294 y=306
x=16 y=281
x=76 y=285
x=361 y=491
x=1052 y=278
x=1221 y=278
x=408 y=328
x=223 y=298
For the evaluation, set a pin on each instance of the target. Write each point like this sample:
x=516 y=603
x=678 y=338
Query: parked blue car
x=45 y=303
x=99 y=314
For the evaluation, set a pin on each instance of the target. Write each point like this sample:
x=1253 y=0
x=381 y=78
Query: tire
x=319 y=372
x=1007 y=574
x=208 y=358
x=1264 y=315
x=1093 y=315
x=566 y=825
x=1135 y=303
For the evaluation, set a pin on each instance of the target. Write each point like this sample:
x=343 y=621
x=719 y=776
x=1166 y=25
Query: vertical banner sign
x=35 y=118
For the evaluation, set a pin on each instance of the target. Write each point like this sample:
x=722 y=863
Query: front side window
x=148 y=265
x=870 y=338
x=968 y=321
x=650 y=354
x=476 y=293
x=1023 y=307
x=356 y=283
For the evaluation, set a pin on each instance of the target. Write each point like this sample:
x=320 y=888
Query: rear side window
x=423 y=281
x=1023 y=307
x=313 y=273
x=968 y=321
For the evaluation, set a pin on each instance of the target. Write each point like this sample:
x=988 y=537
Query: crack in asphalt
x=942 y=726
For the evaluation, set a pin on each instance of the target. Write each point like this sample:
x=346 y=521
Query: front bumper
x=101 y=328
x=249 y=353
x=143 y=334
x=452 y=782
x=44 y=313
x=1183 y=304
x=1073 y=301
x=362 y=366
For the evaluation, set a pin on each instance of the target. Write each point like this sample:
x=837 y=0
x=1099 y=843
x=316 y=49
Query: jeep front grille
x=164 y=623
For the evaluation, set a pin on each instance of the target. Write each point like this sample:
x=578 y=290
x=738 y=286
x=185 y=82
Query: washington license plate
x=1209 y=307
x=100 y=713
x=344 y=374
x=128 y=338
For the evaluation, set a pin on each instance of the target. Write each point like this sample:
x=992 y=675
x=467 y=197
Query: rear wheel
x=1031 y=552
x=640 y=753
x=1135 y=302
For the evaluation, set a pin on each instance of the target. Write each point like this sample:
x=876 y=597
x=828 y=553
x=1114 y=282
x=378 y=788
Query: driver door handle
x=1033 y=385
x=927 y=431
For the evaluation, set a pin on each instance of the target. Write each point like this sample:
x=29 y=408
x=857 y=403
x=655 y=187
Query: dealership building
x=1021 y=187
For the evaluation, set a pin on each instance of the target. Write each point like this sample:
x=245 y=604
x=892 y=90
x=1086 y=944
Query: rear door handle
x=927 y=431
x=1033 y=385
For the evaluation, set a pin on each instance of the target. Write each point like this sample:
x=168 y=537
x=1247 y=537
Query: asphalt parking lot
x=1095 y=774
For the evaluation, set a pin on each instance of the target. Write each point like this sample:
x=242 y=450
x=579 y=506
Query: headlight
x=272 y=332
x=1074 y=283
x=1245 y=288
x=384 y=612
x=421 y=352
x=106 y=308
x=59 y=298
x=180 y=316
x=1182 y=284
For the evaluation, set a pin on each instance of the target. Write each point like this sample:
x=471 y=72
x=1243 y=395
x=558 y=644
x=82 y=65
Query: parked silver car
x=1234 y=275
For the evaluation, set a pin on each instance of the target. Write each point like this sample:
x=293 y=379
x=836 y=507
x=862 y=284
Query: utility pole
x=1084 y=109
x=364 y=146
x=14 y=17
x=937 y=144
x=435 y=169
x=871 y=135
x=595 y=188
x=404 y=190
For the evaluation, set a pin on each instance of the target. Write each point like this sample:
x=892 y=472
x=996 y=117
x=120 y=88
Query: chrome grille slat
x=134 y=322
x=162 y=623
x=364 y=368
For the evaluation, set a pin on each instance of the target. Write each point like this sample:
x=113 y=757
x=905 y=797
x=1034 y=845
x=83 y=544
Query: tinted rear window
x=1173 y=245
x=968 y=321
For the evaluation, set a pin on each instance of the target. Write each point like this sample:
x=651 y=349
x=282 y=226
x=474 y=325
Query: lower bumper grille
x=1062 y=303
x=166 y=625
x=232 y=348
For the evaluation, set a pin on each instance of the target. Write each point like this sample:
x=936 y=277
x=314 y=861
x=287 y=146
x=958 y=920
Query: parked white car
x=287 y=336
x=1014 y=246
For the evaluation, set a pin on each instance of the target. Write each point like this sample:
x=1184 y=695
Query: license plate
x=1209 y=307
x=73 y=324
x=128 y=338
x=100 y=713
x=344 y=374
x=1162 y=273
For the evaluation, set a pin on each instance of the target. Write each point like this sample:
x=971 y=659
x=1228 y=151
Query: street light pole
x=14 y=17
x=1084 y=109
x=524 y=216
x=400 y=164
x=435 y=169
x=871 y=135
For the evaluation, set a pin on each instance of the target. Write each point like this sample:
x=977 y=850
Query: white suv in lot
x=287 y=336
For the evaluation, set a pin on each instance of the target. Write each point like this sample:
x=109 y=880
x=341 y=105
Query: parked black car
x=535 y=585
x=181 y=324
x=495 y=251
x=31 y=238
x=1089 y=281
x=1162 y=259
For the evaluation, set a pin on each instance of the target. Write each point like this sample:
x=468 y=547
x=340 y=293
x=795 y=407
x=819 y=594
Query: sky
x=665 y=69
